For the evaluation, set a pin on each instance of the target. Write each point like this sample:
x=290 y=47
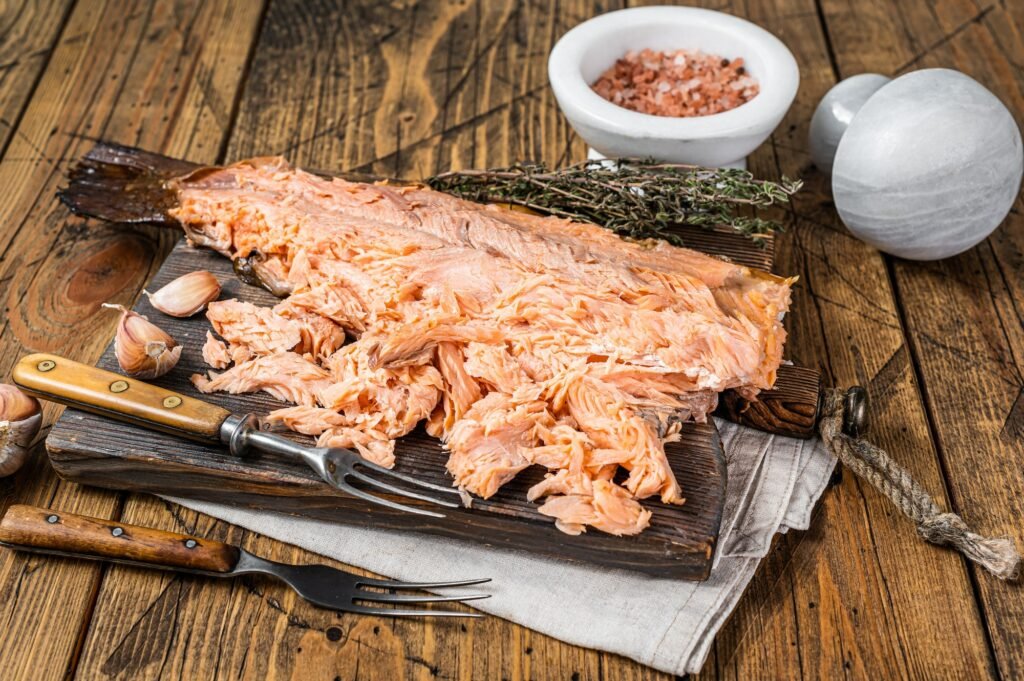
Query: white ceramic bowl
x=723 y=139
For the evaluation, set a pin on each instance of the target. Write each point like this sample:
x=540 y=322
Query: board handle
x=61 y=380
x=792 y=408
x=38 y=529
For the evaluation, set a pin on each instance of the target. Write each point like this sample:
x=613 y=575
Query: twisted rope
x=998 y=555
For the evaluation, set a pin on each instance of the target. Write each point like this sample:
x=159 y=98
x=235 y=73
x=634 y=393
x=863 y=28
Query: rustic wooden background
x=408 y=89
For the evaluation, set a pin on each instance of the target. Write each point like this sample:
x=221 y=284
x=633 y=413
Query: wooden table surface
x=410 y=89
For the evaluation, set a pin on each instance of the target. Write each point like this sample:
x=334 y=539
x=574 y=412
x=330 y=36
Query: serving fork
x=61 y=380
x=39 y=530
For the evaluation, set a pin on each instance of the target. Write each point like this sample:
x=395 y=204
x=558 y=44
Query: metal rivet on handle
x=117 y=532
x=118 y=386
x=46 y=365
x=172 y=401
x=191 y=544
x=52 y=518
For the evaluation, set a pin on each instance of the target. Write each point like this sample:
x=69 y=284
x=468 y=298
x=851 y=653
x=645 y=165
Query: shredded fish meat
x=519 y=340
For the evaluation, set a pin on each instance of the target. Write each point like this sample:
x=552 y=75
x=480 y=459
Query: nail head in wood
x=172 y=401
x=52 y=519
x=118 y=386
x=191 y=544
x=117 y=532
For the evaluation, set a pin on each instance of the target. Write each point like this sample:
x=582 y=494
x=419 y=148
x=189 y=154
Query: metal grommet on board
x=855 y=411
x=118 y=386
x=46 y=365
x=172 y=401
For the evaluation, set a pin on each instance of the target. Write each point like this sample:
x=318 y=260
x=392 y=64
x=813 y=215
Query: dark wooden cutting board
x=94 y=450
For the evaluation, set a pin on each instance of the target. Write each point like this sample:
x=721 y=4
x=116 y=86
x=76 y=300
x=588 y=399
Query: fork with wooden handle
x=61 y=380
x=39 y=530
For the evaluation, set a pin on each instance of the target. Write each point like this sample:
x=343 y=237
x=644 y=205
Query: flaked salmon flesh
x=519 y=340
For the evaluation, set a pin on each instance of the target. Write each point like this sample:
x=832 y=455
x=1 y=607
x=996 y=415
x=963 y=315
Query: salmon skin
x=520 y=340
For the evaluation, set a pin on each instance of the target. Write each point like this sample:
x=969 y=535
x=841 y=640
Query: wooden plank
x=95 y=450
x=327 y=90
x=858 y=594
x=30 y=30
x=964 y=316
x=162 y=75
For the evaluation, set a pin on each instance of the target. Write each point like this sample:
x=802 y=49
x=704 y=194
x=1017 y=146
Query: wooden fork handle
x=40 y=529
x=61 y=380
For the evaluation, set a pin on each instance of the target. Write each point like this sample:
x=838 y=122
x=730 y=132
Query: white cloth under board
x=773 y=484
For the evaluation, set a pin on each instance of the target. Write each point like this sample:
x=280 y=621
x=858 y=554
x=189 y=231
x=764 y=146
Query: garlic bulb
x=186 y=295
x=143 y=349
x=20 y=419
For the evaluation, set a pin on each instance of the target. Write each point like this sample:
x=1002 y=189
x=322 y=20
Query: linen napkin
x=773 y=484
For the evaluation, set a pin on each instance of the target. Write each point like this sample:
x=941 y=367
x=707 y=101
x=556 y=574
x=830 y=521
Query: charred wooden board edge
x=791 y=408
x=293 y=492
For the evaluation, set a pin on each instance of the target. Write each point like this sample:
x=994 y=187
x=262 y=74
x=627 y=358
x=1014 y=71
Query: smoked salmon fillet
x=518 y=340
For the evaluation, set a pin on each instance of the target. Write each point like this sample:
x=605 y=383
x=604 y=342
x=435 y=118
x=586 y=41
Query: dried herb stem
x=634 y=198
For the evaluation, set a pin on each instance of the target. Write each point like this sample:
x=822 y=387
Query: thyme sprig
x=639 y=199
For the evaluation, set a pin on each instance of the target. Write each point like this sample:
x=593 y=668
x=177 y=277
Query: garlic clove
x=16 y=405
x=143 y=349
x=20 y=418
x=186 y=295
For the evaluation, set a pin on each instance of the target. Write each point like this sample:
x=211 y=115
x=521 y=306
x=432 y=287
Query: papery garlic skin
x=20 y=419
x=186 y=295
x=143 y=349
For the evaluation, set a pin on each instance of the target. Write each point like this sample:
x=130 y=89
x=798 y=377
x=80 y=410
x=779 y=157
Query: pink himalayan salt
x=680 y=83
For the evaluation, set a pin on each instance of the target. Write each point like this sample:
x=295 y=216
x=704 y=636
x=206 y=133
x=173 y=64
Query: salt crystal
x=679 y=83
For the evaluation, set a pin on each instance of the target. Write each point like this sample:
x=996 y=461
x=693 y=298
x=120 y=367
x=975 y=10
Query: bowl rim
x=579 y=101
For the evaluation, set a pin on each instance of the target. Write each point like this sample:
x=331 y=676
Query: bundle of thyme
x=639 y=199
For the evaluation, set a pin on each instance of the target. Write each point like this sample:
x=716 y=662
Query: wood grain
x=858 y=595
x=30 y=30
x=160 y=74
x=964 y=316
x=791 y=408
x=31 y=527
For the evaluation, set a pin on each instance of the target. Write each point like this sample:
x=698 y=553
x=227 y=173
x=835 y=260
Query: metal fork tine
x=349 y=489
x=405 y=478
x=399 y=612
x=390 y=584
x=400 y=491
x=378 y=597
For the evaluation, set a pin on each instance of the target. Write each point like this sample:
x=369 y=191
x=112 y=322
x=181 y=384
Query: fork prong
x=391 y=584
x=378 y=597
x=372 y=498
x=369 y=480
x=410 y=612
x=405 y=478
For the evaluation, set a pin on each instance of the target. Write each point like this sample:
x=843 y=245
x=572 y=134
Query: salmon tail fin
x=124 y=184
